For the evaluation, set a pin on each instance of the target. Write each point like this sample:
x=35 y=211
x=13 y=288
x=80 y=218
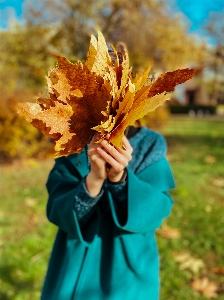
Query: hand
x=97 y=174
x=98 y=164
x=116 y=157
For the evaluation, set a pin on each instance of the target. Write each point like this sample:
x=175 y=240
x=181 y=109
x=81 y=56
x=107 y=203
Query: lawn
x=196 y=155
x=191 y=240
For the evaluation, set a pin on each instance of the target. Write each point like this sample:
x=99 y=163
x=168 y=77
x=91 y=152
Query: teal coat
x=113 y=257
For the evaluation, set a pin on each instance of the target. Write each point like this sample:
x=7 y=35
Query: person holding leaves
x=107 y=203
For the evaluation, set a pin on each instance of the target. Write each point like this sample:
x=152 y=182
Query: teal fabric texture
x=112 y=255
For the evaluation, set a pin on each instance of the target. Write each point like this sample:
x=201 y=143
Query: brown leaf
x=167 y=81
x=168 y=232
x=218 y=270
x=210 y=159
x=148 y=98
x=205 y=287
x=218 y=182
x=123 y=81
x=137 y=111
x=98 y=95
x=70 y=110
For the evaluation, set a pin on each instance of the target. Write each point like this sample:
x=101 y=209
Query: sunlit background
x=175 y=34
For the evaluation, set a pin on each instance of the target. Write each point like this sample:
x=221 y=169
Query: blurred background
x=175 y=34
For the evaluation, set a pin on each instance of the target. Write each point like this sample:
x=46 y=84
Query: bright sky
x=10 y=9
x=197 y=11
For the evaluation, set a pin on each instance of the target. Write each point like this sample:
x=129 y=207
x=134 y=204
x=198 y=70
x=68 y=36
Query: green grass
x=196 y=154
x=25 y=235
x=195 y=151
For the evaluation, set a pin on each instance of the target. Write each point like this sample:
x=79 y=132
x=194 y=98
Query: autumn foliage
x=99 y=95
x=18 y=139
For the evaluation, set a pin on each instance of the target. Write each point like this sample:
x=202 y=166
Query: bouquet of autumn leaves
x=98 y=95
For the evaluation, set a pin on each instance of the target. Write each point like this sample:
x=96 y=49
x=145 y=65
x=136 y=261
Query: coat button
x=78 y=163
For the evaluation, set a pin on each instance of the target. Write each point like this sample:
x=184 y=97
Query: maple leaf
x=218 y=270
x=168 y=232
x=210 y=159
x=218 y=182
x=77 y=97
x=98 y=95
x=206 y=287
x=186 y=261
x=148 y=98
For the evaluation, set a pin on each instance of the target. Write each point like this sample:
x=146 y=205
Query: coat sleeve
x=64 y=189
x=148 y=200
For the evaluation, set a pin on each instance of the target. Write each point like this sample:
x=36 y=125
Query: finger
x=94 y=142
x=126 y=144
x=115 y=153
x=98 y=159
x=115 y=165
x=107 y=136
x=96 y=137
x=124 y=153
x=92 y=152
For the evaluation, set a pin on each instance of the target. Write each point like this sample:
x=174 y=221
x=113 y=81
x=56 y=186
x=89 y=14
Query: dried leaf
x=98 y=95
x=98 y=57
x=75 y=109
x=123 y=81
x=30 y=202
x=205 y=287
x=218 y=270
x=140 y=80
x=168 y=232
x=186 y=261
x=210 y=159
x=54 y=122
x=167 y=81
x=137 y=111
x=218 y=182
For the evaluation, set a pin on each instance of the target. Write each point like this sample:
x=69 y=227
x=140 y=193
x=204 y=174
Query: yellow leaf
x=126 y=103
x=137 y=111
x=99 y=95
x=98 y=57
x=54 y=122
x=186 y=261
x=140 y=80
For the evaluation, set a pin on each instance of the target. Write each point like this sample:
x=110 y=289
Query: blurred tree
x=19 y=139
x=149 y=29
x=71 y=21
x=215 y=29
x=24 y=57
x=24 y=60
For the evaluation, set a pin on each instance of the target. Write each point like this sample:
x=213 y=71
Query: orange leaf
x=70 y=113
x=168 y=232
x=206 y=287
x=98 y=95
x=218 y=270
x=137 y=111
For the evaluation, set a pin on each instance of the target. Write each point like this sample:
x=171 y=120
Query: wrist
x=121 y=177
x=93 y=184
